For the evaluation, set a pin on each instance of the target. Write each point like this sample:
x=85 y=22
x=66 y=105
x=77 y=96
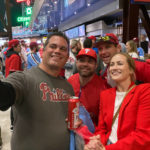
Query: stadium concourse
x=5 y=129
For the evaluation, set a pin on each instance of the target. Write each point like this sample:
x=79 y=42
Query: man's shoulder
x=137 y=60
x=14 y=56
x=73 y=77
x=143 y=86
x=108 y=91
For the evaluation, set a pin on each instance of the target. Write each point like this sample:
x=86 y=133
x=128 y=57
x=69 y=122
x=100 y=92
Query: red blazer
x=134 y=119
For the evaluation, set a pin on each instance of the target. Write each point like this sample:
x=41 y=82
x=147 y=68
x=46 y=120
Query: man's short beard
x=86 y=75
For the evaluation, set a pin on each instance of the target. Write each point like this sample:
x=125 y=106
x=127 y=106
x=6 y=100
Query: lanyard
x=116 y=114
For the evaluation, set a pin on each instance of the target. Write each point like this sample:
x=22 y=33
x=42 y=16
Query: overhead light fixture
x=88 y=4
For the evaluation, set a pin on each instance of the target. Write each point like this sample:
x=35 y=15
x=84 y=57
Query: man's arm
x=7 y=94
x=142 y=71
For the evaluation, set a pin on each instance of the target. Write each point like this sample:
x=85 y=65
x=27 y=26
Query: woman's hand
x=94 y=144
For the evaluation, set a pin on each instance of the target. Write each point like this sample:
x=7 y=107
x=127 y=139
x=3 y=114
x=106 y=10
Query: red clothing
x=142 y=71
x=12 y=63
x=89 y=96
x=134 y=119
x=148 y=61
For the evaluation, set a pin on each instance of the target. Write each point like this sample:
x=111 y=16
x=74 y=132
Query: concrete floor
x=5 y=128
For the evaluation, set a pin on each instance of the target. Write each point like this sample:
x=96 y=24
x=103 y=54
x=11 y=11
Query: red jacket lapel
x=125 y=102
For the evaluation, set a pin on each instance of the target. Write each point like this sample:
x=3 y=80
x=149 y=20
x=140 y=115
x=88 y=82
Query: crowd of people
x=111 y=82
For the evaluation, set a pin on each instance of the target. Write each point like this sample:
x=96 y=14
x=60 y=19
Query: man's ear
x=119 y=48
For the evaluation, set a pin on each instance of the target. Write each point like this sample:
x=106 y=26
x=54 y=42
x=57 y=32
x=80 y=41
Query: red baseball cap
x=135 y=39
x=87 y=52
x=92 y=37
x=108 y=38
x=12 y=43
x=33 y=44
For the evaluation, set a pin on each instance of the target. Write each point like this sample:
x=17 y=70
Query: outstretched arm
x=7 y=94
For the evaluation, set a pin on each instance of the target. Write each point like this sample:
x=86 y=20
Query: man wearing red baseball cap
x=108 y=45
x=93 y=38
x=32 y=58
x=86 y=84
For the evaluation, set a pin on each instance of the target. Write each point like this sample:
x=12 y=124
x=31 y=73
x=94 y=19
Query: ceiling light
x=88 y=4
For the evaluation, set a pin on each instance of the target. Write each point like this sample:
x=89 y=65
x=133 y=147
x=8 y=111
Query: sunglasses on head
x=108 y=39
x=105 y=38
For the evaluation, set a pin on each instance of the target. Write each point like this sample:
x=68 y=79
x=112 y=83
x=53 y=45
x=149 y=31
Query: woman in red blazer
x=13 y=59
x=131 y=128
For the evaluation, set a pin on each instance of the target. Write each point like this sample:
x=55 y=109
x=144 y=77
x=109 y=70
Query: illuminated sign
x=27 y=1
x=23 y=19
x=28 y=11
x=26 y=24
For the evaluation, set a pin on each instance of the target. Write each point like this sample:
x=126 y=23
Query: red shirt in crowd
x=89 y=94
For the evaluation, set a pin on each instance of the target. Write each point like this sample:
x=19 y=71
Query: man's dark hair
x=56 y=34
x=87 y=43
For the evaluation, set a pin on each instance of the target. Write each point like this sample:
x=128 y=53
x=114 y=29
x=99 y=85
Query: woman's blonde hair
x=132 y=46
x=130 y=62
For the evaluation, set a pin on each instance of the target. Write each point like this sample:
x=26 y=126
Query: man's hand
x=77 y=124
x=94 y=144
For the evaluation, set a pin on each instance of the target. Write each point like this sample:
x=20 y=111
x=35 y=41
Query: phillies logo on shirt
x=55 y=95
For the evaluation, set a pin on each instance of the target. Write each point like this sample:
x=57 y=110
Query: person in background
x=139 y=49
x=4 y=51
x=23 y=54
x=0 y=139
x=124 y=122
x=40 y=97
x=13 y=59
x=144 y=43
x=87 y=43
x=93 y=38
x=86 y=83
x=132 y=49
x=70 y=67
x=123 y=47
x=1 y=57
x=13 y=63
x=75 y=47
x=108 y=45
x=40 y=52
x=32 y=57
